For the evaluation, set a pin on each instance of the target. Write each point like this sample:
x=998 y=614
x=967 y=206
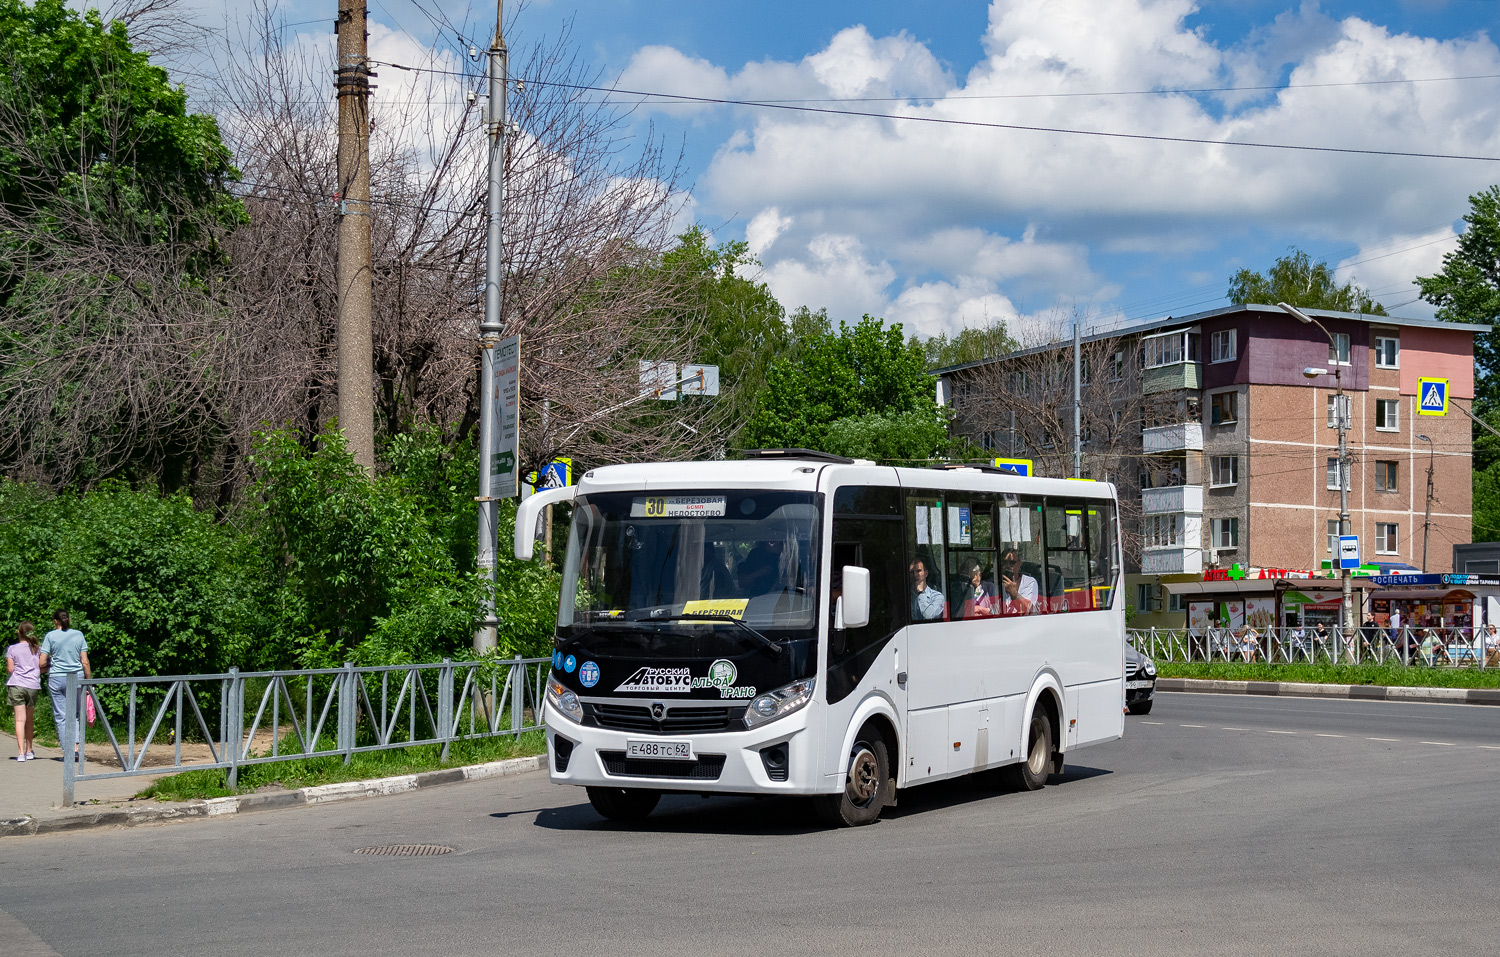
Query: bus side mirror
x=854 y=606
x=529 y=512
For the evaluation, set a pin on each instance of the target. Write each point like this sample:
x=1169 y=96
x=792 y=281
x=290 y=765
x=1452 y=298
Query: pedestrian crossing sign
x=1432 y=396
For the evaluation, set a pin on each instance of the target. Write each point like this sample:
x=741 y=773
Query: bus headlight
x=779 y=703
x=1150 y=668
x=564 y=700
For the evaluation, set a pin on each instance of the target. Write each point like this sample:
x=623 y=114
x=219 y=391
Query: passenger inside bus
x=1018 y=590
x=978 y=597
x=926 y=601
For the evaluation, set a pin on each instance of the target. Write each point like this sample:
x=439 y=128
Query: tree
x=1468 y=287
x=744 y=326
x=863 y=389
x=1297 y=280
x=114 y=206
x=969 y=345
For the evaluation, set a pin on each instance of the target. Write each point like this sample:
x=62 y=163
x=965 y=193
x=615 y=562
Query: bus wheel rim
x=864 y=777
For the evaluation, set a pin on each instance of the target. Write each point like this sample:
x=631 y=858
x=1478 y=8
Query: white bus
x=799 y=623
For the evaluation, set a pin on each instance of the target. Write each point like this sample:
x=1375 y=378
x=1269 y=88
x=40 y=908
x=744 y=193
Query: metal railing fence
x=1408 y=646
x=320 y=712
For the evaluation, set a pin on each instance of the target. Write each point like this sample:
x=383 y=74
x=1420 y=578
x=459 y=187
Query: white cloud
x=846 y=201
x=1387 y=268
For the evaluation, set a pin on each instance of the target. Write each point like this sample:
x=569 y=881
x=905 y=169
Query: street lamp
x=1427 y=514
x=1340 y=416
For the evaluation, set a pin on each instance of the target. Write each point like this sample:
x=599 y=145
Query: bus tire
x=1031 y=774
x=866 y=784
x=623 y=804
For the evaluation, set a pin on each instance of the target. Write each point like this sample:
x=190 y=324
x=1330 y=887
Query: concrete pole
x=355 y=346
x=1341 y=411
x=486 y=635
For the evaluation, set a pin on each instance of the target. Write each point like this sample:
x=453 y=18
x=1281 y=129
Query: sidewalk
x=31 y=792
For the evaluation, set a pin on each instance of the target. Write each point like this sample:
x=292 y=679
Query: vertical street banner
x=505 y=462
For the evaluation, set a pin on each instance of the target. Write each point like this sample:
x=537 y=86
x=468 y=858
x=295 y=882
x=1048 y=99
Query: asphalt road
x=1219 y=825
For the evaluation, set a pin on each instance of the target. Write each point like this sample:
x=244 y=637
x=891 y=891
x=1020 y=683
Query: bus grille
x=677 y=720
x=708 y=767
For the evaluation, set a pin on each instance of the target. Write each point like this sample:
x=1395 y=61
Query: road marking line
x=1268 y=731
x=1193 y=726
x=1489 y=747
x=1151 y=722
x=1382 y=739
x=1441 y=744
x=1234 y=729
x=1330 y=735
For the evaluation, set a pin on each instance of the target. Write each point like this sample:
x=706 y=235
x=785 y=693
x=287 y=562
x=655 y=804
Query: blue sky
x=941 y=226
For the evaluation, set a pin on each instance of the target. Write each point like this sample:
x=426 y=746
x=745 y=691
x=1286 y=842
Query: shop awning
x=1264 y=586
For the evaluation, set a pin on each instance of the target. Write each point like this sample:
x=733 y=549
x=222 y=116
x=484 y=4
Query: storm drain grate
x=406 y=850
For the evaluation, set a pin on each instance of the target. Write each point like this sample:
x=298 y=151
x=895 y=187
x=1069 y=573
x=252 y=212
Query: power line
x=980 y=124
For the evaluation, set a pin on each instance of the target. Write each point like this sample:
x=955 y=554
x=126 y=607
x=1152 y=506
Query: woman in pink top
x=24 y=686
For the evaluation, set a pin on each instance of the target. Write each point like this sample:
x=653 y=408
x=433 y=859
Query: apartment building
x=1225 y=450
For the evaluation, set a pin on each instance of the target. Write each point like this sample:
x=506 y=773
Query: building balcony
x=1178 y=375
x=1172 y=561
x=1182 y=437
x=1177 y=498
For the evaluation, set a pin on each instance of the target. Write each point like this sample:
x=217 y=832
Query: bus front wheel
x=623 y=804
x=1031 y=773
x=866 y=786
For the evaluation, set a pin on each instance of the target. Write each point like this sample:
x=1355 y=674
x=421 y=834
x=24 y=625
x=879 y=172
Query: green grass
x=308 y=772
x=1393 y=675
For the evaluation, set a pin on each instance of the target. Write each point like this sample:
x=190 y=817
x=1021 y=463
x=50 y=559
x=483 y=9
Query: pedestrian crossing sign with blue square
x=1432 y=396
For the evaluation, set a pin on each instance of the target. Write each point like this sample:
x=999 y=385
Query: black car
x=1140 y=682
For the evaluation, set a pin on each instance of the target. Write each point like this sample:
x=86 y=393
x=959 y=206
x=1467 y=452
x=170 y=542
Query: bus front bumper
x=775 y=758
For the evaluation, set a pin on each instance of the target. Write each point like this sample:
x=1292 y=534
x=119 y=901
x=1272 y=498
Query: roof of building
x=1175 y=322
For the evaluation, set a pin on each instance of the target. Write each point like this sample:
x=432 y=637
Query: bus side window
x=1068 y=557
x=925 y=588
x=1021 y=575
x=1103 y=560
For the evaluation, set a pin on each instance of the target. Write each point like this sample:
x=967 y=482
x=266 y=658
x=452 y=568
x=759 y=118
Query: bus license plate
x=661 y=750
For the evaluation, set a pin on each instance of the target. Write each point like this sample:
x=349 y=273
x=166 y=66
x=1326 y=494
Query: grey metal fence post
x=234 y=715
x=347 y=703
x=70 y=717
x=445 y=715
x=517 y=695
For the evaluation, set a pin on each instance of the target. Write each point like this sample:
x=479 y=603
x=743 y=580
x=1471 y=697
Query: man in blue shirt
x=926 y=601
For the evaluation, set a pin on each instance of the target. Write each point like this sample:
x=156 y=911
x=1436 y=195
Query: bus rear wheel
x=623 y=804
x=866 y=786
x=1031 y=773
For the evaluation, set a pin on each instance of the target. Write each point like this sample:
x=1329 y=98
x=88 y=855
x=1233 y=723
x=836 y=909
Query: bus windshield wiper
x=774 y=647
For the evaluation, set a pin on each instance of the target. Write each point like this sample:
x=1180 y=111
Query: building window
x=1334 y=404
x=1170 y=349
x=1333 y=474
x=1385 y=476
x=1161 y=531
x=1338 y=349
x=1176 y=603
x=1385 y=538
x=1222 y=407
x=1387 y=352
x=1226 y=533
x=1147 y=598
x=1333 y=536
x=1388 y=415
x=1117 y=366
x=1221 y=346
x=1226 y=470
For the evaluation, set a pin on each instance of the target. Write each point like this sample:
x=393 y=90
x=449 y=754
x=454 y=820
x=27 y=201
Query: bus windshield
x=644 y=557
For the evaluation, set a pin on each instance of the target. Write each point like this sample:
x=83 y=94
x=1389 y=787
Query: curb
x=78 y=818
x=1490 y=696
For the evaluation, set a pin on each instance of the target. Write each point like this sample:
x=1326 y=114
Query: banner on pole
x=505 y=460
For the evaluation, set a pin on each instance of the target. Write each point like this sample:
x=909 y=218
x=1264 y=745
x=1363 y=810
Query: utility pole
x=486 y=635
x=1077 y=402
x=1427 y=512
x=355 y=341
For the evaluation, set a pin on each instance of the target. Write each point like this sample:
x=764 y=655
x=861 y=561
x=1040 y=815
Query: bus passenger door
x=866 y=661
